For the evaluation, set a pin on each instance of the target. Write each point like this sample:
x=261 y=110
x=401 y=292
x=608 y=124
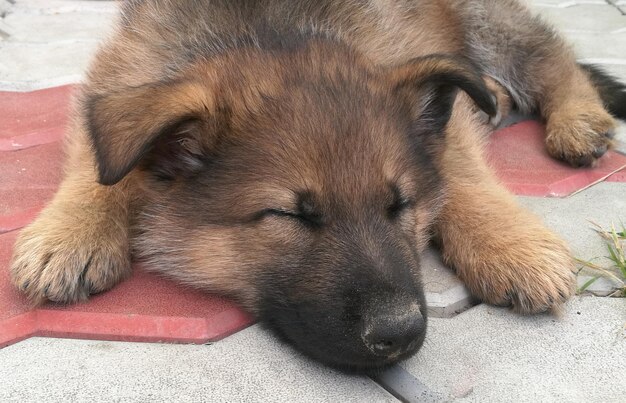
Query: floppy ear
x=431 y=84
x=124 y=126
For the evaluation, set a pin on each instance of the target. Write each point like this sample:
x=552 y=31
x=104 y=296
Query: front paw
x=65 y=260
x=579 y=135
x=532 y=276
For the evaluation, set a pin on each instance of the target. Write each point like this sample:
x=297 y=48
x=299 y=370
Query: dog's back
x=158 y=38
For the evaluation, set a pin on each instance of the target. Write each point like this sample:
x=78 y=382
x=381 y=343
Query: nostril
x=383 y=345
x=387 y=335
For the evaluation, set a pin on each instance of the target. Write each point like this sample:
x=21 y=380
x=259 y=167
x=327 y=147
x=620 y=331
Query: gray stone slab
x=5 y=31
x=5 y=8
x=49 y=28
x=490 y=354
x=27 y=67
x=446 y=295
x=563 y=3
x=600 y=45
x=248 y=366
x=580 y=17
x=620 y=4
x=65 y=6
x=401 y=384
x=572 y=217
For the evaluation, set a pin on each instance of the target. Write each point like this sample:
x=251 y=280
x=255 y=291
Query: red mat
x=28 y=181
x=142 y=308
x=28 y=119
x=519 y=157
x=617 y=177
x=146 y=307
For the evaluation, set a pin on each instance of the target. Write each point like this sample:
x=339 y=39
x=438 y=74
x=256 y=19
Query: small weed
x=615 y=241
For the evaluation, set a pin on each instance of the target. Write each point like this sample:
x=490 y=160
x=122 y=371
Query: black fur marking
x=612 y=92
x=465 y=76
x=399 y=203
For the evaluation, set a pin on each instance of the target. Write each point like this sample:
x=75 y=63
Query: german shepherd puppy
x=298 y=155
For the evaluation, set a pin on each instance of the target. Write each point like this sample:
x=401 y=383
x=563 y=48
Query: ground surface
x=482 y=354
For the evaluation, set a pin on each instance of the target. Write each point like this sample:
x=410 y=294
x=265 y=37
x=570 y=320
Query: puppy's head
x=302 y=183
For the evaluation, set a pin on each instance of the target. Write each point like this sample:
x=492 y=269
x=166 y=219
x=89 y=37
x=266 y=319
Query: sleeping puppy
x=297 y=156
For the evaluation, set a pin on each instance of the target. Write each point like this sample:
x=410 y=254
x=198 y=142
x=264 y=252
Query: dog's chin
x=349 y=359
x=363 y=365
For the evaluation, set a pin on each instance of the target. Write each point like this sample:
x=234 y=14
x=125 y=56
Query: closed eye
x=400 y=204
x=303 y=218
x=398 y=207
x=280 y=212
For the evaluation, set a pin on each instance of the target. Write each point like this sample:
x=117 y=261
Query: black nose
x=392 y=334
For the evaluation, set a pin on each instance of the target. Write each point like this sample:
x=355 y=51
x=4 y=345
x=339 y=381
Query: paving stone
x=5 y=7
x=33 y=118
x=65 y=6
x=519 y=157
x=563 y=3
x=572 y=218
x=401 y=384
x=586 y=45
x=246 y=367
x=144 y=307
x=26 y=67
x=29 y=27
x=620 y=4
x=584 y=18
x=446 y=295
x=490 y=354
x=5 y=31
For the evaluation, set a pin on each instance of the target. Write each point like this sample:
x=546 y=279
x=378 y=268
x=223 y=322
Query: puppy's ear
x=125 y=126
x=431 y=83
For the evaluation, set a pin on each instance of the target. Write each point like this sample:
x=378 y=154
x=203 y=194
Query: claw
x=600 y=151
x=81 y=277
x=582 y=161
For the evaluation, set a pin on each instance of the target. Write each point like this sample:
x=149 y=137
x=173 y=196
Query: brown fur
x=176 y=91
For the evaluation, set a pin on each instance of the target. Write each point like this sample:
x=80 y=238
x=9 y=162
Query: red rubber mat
x=519 y=157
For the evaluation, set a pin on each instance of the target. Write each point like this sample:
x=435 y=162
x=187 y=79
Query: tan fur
x=86 y=225
x=576 y=119
x=503 y=100
x=503 y=253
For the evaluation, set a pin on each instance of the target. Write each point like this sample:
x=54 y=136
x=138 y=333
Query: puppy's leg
x=540 y=72
x=79 y=243
x=503 y=253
